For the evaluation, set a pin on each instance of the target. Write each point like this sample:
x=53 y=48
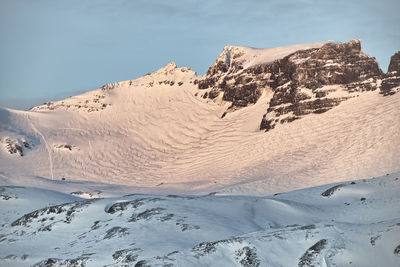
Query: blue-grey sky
x=52 y=49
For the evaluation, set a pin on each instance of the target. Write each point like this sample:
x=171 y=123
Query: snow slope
x=158 y=134
x=347 y=224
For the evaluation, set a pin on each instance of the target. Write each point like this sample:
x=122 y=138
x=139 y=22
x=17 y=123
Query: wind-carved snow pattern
x=163 y=132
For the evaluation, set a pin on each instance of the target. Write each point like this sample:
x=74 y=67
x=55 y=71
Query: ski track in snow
x=46 y=145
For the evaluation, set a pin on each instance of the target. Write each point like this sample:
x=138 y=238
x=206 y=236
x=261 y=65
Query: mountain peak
x=395 y=63
x=250 y=56
x=355 y=43
x=169 y=67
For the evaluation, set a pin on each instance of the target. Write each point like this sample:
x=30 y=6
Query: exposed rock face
x=306 y=81
x=395 y=63
x=392 y=77
x=240 y=86
x=16 y=146
x=309 y=257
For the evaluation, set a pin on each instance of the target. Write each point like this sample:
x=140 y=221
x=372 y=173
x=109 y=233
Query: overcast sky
x=53 y=49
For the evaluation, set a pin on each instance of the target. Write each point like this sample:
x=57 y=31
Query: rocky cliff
x=306 y=81
x=391 y=80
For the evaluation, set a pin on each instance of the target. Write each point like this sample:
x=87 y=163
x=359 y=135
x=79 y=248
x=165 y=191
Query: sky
x=53 y=49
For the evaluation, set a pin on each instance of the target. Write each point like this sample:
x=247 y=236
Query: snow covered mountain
x=331 y=115
x=148 y=171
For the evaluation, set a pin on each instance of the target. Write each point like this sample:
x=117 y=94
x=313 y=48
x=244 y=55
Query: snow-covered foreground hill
x=346 y=224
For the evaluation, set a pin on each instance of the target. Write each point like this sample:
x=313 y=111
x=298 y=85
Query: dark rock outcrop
x=392 y=77
x=330 y=191
x=309 y=257
x=397 y=250
x=146 y=215
x=17 y=146
x=116 y=232
x=248 y=257
x=13 y=146
x=126 y=256
x=79 y=261
x=229 y=76
x=121 y=206
x=44 y=218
